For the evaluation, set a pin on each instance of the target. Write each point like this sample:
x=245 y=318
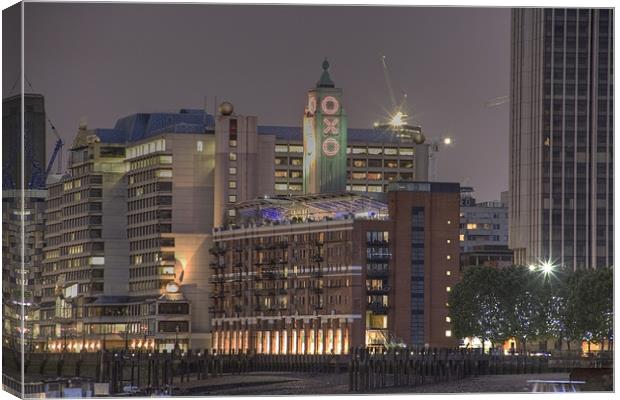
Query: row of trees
x=496 y=304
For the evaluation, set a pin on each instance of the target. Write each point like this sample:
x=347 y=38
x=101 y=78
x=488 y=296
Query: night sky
x=105 y=61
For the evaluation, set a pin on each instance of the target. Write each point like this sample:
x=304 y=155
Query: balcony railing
x=378 y=290
x=377 y=273
x=378 y=308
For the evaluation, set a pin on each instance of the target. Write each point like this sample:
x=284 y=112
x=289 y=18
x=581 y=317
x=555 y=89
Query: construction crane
x=397 y=122
x=497 y=101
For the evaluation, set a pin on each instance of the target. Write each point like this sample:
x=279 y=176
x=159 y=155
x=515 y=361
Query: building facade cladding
x=170 y=176
x=315 y=287
x=244 y=168
x=425 y=260
x=561 y=137
x=34 y=140
x=86 y=249
x=21 y=273
x=371 y=165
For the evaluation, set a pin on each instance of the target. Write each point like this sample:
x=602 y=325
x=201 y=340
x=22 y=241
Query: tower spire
x=326 y=80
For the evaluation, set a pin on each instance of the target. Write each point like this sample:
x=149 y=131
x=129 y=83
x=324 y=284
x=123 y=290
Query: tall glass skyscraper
x=561 y=137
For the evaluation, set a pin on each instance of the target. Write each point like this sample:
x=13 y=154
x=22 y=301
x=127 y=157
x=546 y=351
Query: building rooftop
x=294 y=133
x=435 y=187
x=309 y=208
x=140 y=126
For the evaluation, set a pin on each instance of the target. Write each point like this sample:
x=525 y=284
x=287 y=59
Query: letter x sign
x=330 y=126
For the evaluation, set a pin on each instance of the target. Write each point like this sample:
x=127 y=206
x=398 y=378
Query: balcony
x=377 y=243
x=378 y=290
x=378 y=308
x=381 y=257
x=378 y=273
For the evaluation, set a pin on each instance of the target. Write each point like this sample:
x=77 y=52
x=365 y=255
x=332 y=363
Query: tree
x=474 y=305
x=590 y=303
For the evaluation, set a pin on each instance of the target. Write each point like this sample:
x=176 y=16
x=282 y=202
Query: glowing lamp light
x=447 y=141
x=532 y=267
x=547 y=267
x=398 y=119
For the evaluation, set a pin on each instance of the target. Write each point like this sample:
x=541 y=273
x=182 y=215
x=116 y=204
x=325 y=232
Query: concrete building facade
x=484 y=231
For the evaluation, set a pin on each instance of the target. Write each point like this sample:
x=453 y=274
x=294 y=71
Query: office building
x=21 y=272
x=33 y=149
x=561 y=137
x=484 y=231
x=374 y=159
x=86 y=248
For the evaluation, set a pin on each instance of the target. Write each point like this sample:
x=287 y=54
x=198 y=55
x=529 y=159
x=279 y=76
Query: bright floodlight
x=547 y=267
x=398 y=119
x=447 y=141
x=532 y=267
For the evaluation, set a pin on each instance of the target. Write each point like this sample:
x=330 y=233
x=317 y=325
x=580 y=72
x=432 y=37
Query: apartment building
x=322 y=273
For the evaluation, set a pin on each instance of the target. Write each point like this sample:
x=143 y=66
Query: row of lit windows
x=148 y=230
x=149 y=175
x=149 y=216
x=150 y=271
x=145 y=285
x=149 y=202
x=146 y=148
x=151 y=257
x=155 y=187
x=150 y=161
x=151 y=243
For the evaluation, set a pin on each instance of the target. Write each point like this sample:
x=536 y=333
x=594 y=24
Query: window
x=448 y=319
x=448 y=288
x=462 y=237
x=281 y=186
x=232 y=198
x=448 y=333
x=232 y=156
x=472 y=226
x=359 y=150
x=199 y=145
x=232 y=184
x=232 y=143
x=164 y=173
x=296 y=149
x=390 y=151
x=232 y=213
x=165 y=159
x=232 y=170
x=406 y=152
x=281 y=174
x=298 y=162
x=281 y=148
